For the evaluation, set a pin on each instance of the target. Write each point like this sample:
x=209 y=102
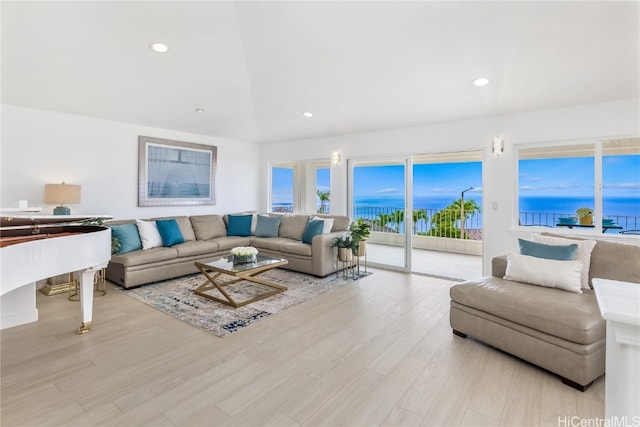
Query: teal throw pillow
x=239 y=225
x=268 y=226
x=313 y=228
x=127 y=236
x=540 y=250
x=169 y=231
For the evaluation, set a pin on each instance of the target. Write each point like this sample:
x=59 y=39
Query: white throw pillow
x=583 y=254
x=549 y=273
x=327 y=226
x=149 y=234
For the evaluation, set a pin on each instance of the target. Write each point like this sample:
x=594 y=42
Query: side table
x=619 y=304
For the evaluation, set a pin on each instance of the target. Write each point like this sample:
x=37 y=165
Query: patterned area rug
x=176 y=298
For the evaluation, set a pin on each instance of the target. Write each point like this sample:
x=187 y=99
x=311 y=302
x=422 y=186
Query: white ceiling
x=255 y=67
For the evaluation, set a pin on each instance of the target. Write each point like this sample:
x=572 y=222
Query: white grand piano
x=36 y=247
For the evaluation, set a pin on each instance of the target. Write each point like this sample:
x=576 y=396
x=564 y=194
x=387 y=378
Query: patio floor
x=443 y=264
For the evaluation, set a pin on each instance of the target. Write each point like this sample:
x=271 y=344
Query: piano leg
x=86 y=298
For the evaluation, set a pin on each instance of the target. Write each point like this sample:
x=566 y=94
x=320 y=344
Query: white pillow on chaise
x=583 y=254
x=549 y=273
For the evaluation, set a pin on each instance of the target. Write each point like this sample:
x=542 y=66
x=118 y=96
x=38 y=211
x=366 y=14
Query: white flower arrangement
x=244 y=251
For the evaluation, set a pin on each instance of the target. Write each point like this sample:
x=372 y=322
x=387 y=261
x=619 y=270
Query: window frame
x=598 y=213
x=304 y=183
x=284 y=165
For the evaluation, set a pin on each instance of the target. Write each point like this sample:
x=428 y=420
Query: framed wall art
x=175 y=173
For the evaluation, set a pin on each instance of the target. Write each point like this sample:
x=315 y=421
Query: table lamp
x=61 y=194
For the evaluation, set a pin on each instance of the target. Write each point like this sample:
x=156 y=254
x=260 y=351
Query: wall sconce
x=61 y=194
x=498 y=147
x=335 y=158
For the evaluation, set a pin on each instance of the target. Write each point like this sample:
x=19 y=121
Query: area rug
x=176 y=298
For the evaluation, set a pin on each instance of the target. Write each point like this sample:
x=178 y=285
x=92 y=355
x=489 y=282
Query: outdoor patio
x=436 y=263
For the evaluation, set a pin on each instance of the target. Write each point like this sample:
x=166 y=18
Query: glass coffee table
x=241 y=272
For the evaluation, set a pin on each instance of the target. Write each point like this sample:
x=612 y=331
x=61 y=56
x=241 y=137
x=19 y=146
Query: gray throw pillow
x=267 y=226
x=292 y=226
x=208 y=226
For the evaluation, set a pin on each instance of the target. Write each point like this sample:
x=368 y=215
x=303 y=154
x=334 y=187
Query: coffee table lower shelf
x=249 y=274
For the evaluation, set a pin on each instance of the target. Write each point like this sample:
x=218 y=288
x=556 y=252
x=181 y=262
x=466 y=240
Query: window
x=621 y=182
x=323 y=192
x=301 y=186
x=441 y=182
x=560 y=185
x=282 y=188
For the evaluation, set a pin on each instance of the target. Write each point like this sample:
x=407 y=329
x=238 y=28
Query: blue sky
x=575 y=176
x=282 y=185
x=572 y=177
x=430 y=180
x=322 y=179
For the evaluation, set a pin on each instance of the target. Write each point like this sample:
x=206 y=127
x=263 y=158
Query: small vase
x=586 y=220
x=362 y=248
x=345 y=254
x=243 y=259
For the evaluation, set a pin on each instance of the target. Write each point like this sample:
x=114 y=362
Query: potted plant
x=324 y=197
x=585 y=215
x=360 y=230
x=346 y=247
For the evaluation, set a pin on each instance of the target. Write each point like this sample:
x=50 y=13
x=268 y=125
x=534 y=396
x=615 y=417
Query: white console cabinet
x=619 y=304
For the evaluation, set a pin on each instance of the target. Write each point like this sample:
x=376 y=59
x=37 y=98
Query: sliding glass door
x=379 y=195
x=424 y=211
x=447 y=217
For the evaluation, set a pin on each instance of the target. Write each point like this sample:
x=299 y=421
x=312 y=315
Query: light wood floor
x=378 y=351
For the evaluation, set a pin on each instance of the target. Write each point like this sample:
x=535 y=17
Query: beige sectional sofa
x=205 y=239
x=562 y=332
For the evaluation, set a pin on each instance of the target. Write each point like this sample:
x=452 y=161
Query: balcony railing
x=282 y=208
x=443 y=223
x=439 y=223
x=421 y=226
x=550 y=219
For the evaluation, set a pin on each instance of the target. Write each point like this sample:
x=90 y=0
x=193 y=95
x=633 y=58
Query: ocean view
x=379 y=188
x=624 y=210
x=613 y=206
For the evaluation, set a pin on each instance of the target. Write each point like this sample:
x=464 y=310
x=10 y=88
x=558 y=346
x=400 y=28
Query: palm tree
x=383 y=220
x=323 y=196
x=470 y=208
x=417 y=216
x=444 y=223
x=397 y=217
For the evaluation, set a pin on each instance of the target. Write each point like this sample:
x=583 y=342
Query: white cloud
x=440 y=190
x=456 y=190
x=623 y=186
x=388 y=191
x=549 y=187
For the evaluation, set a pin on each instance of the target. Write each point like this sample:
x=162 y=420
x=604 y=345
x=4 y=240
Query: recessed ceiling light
x=199 y=110
x=159 y=47
x=307 y=114
x=482 y=81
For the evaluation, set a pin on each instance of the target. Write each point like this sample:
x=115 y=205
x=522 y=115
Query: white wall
x=619 y=118
x=40 y=147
